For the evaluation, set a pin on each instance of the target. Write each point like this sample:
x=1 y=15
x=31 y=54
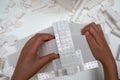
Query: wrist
x=108 y=62
x=15 y=77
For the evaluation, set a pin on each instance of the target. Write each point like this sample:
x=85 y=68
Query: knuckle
x=38 y=34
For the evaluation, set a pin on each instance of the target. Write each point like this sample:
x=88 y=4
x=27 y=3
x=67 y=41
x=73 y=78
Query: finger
x=95 y=34
x=91 y=41
x=100 y=29
x=87 y=28
x=101 y=33
x=46 y=59
x=45 y=36
x=41 y=38
x=94 y=26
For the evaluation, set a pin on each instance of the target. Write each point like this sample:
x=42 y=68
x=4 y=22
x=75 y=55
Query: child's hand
x=29 y=61
x=101 y=50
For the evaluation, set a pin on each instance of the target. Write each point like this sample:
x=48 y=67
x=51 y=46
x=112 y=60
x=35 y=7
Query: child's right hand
x=101 y=50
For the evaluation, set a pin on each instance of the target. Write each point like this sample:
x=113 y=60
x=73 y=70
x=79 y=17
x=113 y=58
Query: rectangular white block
x=111 y=13
x=78 y=11
x=68 y=4
x=116 y=32
x=49 y=47
x=92 y=3
x=118 y=25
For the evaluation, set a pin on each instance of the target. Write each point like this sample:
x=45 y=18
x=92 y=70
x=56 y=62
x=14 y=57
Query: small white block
x=79 y=10
x=72 y=70
x=111 y=13
x=43 y=76
x=56 y=64
x=9 y=71
x=116 y=32
x=11 y=39
x=2 y=51
x=4 y=78
x=118 y=25
x=62 y=72
x=110 y=24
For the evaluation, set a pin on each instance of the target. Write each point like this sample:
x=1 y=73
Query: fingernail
x=87 y=33
x=56 y=55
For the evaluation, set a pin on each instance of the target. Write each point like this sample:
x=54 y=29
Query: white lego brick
x=63 y=34
x=47 y=68
x=4 y=78
x=68 y=4
x=9 y=71
x=79 y=55
x=2 y=41
x=56 y=64
x=49 y=47
x=111 y=13
x=10 y=39
x=2 y=51
x=116 y=32
x=43 y=76
x=90 y=65
x=118 y=25
x=71 y=59
x=73 y=70
x=79 y=10
x=61 y=72
x=110 y=24
x=77 y=4
x=12 y=59
x=92 y=3
x=46 y=76
x=39 y=5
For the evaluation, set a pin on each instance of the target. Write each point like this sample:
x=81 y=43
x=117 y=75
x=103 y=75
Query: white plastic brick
x=56 y=64
x=111 y=13
x=118 y=25
x=78 y=11
x=43 y=76
x=110 y=24
x=9 y=71
x=62 y=72
x=73 y=70
x=68 y=4
x=92 y=3
x=46 y=76
x=116 y=32
x=2 y=51
x=64 y=40
x=90 y=65
x=4 y=78
x=49 y=47
x=71 y=59
x=2 y=41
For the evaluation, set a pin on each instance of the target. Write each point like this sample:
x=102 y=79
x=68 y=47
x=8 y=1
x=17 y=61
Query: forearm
x=110 y=70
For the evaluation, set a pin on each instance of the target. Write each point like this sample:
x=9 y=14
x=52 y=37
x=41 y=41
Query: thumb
x=48 y=58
